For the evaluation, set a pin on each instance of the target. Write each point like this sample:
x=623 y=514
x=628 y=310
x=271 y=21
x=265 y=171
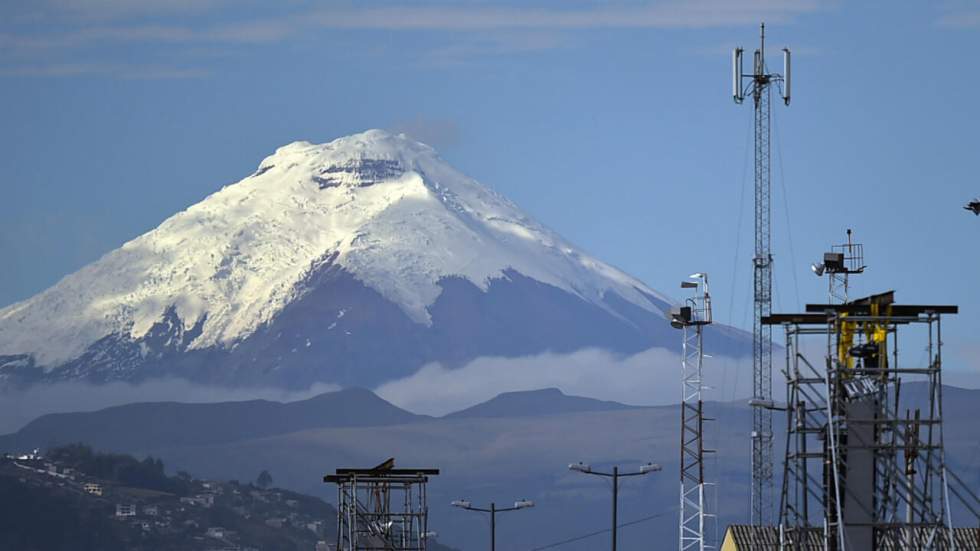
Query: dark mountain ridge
x=533 y=403
x=145 y=426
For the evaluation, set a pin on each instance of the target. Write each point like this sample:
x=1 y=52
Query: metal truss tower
x=759 y=86
x=692 y=318
x=840 y=264
x=864 y=464
x=382 y=508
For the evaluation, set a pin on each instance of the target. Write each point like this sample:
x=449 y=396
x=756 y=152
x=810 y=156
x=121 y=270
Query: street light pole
x=493 y=526
x=614 y=475
x=615 y=524
x=493 y=510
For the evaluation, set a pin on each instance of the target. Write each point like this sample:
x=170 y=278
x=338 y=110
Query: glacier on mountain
x=382 y=207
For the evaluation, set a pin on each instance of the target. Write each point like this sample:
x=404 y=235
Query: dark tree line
x=123 y=469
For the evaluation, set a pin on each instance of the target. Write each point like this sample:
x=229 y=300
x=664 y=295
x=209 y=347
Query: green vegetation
x=264 y=480
x=119 y=468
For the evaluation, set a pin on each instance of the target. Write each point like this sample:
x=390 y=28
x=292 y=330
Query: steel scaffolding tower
x=864 y=464
x=759 y=85
x=691 y=319
x=382 y=508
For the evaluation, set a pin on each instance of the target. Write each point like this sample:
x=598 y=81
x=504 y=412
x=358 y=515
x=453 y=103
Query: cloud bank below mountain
x=651 y=377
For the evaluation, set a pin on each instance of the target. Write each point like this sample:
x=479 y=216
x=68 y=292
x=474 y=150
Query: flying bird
x=973 y=206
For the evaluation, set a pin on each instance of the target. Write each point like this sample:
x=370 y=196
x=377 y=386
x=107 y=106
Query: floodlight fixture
x=650 y=468
x=461 y=503
x=523 y=504
x=818 y=269
x=680 y=316
x=580 y=467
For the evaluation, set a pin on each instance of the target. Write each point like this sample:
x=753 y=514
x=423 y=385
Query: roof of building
x=767 y=537
x=745 y=536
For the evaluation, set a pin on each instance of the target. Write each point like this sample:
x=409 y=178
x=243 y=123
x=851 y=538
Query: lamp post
x=493 y=510
x=615 y=475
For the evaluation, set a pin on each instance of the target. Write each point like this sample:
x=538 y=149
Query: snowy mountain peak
x=367 y=150
x=380 y=206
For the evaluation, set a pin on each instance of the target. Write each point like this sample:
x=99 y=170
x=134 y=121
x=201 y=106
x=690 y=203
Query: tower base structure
x=382 y=508
x=864 y=465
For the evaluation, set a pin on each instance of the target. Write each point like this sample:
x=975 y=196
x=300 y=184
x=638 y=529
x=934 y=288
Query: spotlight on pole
x=651 y=468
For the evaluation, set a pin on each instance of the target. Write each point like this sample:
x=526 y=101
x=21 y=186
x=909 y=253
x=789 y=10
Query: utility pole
x=759 y=86
x=493 y=510
x=493 y=526
x=692 y=317
x=615 y=476
x=615 y=506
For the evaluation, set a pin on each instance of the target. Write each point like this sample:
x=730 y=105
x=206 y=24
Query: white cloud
x=61 y=28
x=960 y=20
x=670 y=14
x=135 y=72
x=440 y=133
x=422 y=17
x=651 y=377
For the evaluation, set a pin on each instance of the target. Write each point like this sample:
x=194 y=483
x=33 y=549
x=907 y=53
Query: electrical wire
x=599 y=532
x=738 y=241
x=716 y=428
x=789 y=227
x=738 y=227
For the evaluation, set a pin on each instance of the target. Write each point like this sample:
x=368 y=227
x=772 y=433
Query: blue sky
x=611 y=122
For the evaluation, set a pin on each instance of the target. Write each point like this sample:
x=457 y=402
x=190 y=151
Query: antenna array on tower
x=759 y=86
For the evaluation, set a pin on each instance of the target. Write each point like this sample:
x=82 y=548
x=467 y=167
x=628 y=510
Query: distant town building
x=125 y=510
x=93 y=488
x=151 y=510
x=34 y=455
x=215 y=532
x=316 y=527
x=275 y=522
x=204 y=500
x=323 y=546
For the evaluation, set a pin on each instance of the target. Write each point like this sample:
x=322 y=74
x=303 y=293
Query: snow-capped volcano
x=295 y=272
